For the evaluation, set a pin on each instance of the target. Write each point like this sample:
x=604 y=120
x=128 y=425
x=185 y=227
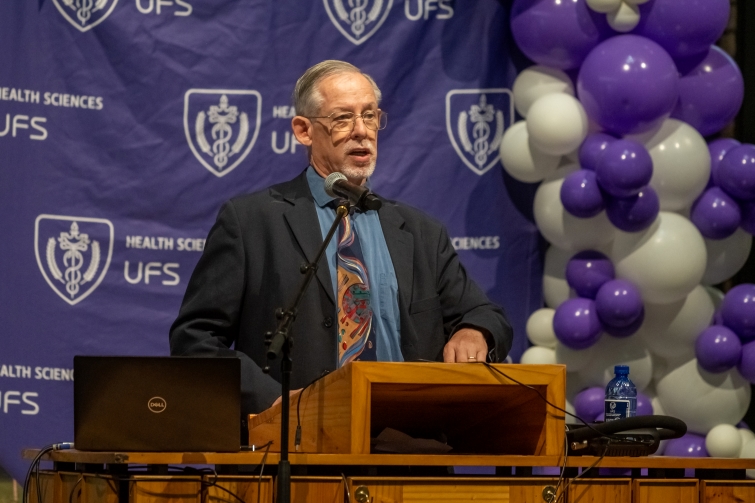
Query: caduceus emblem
x=221 y=116
x=356 y=19
x=481 y=115
x=74 y=244
x=85 y=8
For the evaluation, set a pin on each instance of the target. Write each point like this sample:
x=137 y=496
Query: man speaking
x=390 y=286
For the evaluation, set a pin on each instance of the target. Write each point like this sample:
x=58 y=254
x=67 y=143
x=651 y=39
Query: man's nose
x=359 y=130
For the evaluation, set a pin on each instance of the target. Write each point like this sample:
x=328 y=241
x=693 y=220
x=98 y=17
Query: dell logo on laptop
x=156 y=404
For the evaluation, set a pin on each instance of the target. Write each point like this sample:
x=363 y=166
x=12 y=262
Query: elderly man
x=390 y=286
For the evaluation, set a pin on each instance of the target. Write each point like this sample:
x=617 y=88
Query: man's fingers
x=449 y=354
x=482 y=355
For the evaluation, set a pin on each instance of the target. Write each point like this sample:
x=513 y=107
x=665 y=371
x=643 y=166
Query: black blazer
x=250 y=267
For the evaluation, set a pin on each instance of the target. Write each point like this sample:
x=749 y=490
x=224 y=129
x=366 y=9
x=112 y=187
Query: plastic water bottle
x=621 y=395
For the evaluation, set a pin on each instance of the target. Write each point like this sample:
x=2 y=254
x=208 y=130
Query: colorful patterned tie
x=353 y=310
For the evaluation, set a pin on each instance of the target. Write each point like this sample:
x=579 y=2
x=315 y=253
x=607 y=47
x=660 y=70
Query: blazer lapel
x=401 y=247
x=305 y=226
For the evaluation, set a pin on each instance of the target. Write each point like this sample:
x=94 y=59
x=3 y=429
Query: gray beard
x=354 y=172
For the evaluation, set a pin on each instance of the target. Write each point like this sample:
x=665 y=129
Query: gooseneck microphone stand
x=280 y=343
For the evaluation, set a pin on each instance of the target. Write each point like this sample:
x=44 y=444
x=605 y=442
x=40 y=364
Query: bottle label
x=618 y=409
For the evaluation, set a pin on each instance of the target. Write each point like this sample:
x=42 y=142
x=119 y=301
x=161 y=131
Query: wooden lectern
x=477 y=410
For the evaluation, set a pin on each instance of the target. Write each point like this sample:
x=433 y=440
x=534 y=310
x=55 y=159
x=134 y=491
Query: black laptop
x=128 y=403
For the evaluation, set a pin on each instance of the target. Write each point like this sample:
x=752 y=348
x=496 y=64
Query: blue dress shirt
x=383 y=283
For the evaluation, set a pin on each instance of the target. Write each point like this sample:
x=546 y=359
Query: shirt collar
x=317 y=187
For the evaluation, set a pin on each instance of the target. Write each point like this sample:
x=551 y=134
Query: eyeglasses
x=345 y=121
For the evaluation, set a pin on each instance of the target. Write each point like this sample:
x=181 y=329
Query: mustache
x=369 y=146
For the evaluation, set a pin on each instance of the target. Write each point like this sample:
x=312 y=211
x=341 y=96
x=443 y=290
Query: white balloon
x=723 y=441
x=611 y=351
x=557 y=123
x=665 y=261
x=748 y=452
x=726 y=256
x=540 y=328
x=604 y=6
x=657 y=407
x=681 y=163
x=670 y=330
x=521 y=159
x=537 y=81
x=563 y=229
x=625 y=18
x=702 y=399
x=575 y=360
x=539 y=355
x=555 y=288
x=746 y=435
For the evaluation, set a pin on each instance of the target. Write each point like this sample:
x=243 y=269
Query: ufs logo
x=85 y=14
x=358 y=20
x=73 y=253
x=221 y=126
x=475 y=121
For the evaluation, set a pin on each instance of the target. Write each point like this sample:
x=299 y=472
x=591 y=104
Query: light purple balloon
x=592 y=149
x=618 y=303
x=628 y=84
x=587 y=271
x=628 y=330
x=718 y=149
x=736 y=172
x=746 y=365
x=633 y=214
x=580 y=194
x=738 y=311
x=710 y=93
x=683 y=27
x=556 y=33
x=688 y=446
x=576 y=323
x=589 y=403
x=715 y=214
x=644 y=405
x=601 y=417
x=748 y=216
x=624 y=168
x=718 y=349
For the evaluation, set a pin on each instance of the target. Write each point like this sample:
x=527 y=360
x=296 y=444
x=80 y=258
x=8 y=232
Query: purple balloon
x=748 y=216
x=718 y=149
x=715 y=214
x=688 y=446
x=746 y=365
x=587 y=271
x=625 y=168
x=618 y=303
x=644 y=405
x=576 y=323
x=630 y=329
x=601 y=417
x=555 y=33
x=683 y=27
x=592 y=149
x=581 y=195
x=633 y=214
x=736 y=172
x=738 y=311
x=718 y=349
x=710 y=93
x=628 y=84
x=589 y=403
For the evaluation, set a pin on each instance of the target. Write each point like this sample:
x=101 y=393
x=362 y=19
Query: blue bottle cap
x=621 y=369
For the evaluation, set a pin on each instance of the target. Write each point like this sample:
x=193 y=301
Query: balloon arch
x=642 y=214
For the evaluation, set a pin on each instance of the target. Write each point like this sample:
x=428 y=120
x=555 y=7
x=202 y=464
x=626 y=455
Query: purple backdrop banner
x=125 y=124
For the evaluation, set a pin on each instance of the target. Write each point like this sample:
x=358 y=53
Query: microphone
x=337 y=185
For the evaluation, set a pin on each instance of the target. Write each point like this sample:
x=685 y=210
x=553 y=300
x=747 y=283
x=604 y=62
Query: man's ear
x=302 y=130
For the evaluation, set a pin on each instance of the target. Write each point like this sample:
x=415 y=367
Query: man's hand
x=290 y=393
x=466 y=345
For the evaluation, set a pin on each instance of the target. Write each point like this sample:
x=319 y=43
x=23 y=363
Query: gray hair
x=307 y=98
